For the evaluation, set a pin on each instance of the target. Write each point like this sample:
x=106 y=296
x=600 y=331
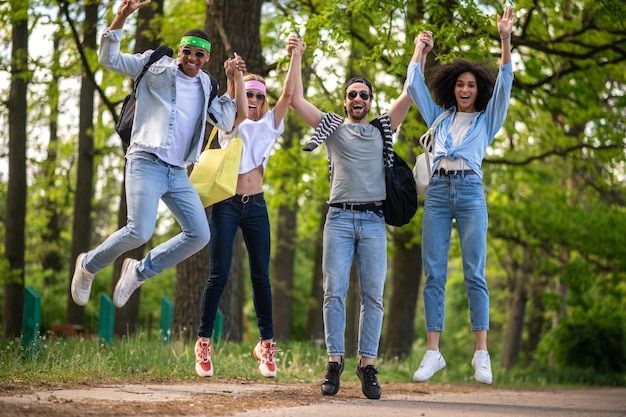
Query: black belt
x=247 y=198
x=358 y=206
x=452 y=172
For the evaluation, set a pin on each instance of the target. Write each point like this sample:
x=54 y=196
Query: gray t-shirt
x=355 y=151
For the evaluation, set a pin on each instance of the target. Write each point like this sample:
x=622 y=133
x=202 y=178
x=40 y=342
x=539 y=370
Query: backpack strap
x=158 y=53
x=383 y=124
x=212 y=95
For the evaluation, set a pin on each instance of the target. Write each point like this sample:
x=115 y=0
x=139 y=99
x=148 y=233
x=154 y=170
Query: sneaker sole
x=202 y=373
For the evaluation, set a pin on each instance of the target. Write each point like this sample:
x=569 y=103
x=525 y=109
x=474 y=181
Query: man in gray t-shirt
x=355 y=225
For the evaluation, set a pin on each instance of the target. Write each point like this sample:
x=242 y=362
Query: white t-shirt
x=258 y=137
x=459 y=128
x=189 y=99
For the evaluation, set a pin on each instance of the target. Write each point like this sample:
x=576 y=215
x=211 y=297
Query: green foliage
x=554 y=176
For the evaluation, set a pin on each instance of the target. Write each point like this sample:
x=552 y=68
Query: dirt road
x=278 y=399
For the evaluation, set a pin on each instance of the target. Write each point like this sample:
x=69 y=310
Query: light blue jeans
x=148 y=180
x=361 y=236
x=461 y=198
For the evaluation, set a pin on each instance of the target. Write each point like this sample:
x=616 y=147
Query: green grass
x=136 y=359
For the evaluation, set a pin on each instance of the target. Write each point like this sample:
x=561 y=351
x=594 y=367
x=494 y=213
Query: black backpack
x=401 y=202
x=124 y=125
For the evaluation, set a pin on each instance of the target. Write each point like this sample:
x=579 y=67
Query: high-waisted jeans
x=253 y=220
x=361 y=236
x=459 y=198
x=148 y=180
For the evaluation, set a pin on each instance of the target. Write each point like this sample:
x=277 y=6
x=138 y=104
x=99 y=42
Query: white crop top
x=258 y=139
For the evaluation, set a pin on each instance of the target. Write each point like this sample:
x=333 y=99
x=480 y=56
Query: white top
x=188 y=105
x=258 y=139
x=458 y=130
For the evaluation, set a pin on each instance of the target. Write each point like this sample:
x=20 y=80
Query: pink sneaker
x=264 y=353
x=204 y=366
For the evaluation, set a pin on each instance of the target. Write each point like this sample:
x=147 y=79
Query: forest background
x=554 y=175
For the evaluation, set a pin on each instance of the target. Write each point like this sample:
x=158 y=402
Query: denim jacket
x=156 y=97
x=483 y=128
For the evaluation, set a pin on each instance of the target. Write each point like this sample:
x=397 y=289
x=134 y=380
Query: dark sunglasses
x=199 y=54
x=259 y=96
x=363 y=94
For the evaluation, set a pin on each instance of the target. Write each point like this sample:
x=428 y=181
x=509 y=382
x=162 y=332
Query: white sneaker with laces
x=127 y=284
x=432 y=363
x=482 y=365
x=264 y=353
x=81 y=282
x=204 y=365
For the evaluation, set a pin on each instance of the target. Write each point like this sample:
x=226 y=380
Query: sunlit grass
x=136 y=359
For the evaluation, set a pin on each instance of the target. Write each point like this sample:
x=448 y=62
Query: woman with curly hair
x=477 y=105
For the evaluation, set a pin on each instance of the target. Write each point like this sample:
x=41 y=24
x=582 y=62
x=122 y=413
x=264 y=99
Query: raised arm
x=293 y=85
x=400 y=108
x=505 y=27
x=282 y=104
x=235 y=68
x=402 y=105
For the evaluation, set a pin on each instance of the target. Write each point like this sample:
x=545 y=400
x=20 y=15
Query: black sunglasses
x=199 y=54
x=259 y=96
x=363 y=94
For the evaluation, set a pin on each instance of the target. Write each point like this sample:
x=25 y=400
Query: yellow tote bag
x=215 y=175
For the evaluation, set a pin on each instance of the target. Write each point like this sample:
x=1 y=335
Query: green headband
x=195 y=41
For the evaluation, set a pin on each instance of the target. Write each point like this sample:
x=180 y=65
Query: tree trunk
x=536 y=318
x=81 y=228
x=282 y=276
x=14 y=222
x=315 y=318
x=406 y=274
x=223 y=23
x=127 y=318
x=285 y=247
x=516 y=311
x=231 y=303
x=53 y=257
x=188 y=295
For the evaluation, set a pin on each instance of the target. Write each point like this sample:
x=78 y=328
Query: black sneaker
x=369 y=383
x=330 y=383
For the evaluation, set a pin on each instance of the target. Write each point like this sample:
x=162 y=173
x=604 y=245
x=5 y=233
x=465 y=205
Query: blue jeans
x=253 y=220
x=361 y=236
x=461 y=198
x=148 y=180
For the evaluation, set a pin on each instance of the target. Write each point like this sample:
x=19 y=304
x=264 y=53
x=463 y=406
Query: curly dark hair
x=198 y=33
x=443 y=79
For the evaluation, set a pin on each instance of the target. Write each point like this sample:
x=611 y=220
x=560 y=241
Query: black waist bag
x=124 y=125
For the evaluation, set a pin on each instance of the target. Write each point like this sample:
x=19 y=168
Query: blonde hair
x=265 y=107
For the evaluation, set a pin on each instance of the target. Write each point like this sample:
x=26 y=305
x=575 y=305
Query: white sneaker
x=127 y=283
x=204 y=365
x=264 y=353
x=482 y=366
x=432 y=363
x=81 y=282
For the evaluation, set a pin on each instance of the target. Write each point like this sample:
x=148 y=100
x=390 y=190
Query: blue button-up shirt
x=155 y=112
x=483 y=129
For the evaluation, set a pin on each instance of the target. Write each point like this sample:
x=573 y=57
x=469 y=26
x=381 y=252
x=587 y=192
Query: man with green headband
x=172 y=109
